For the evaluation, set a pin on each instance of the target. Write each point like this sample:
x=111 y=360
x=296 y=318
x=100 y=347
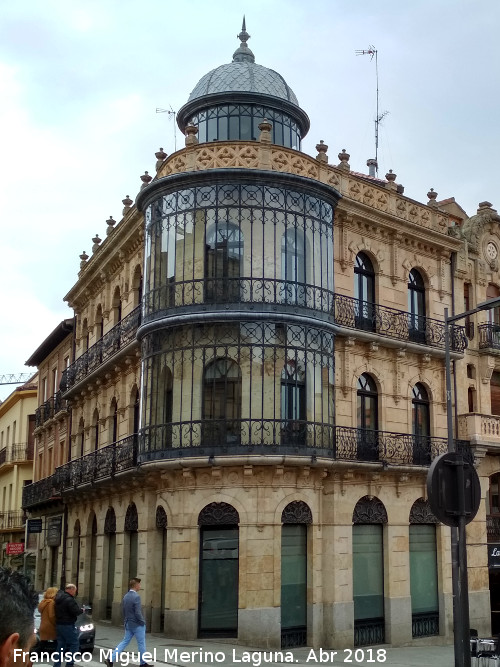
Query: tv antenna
x=173 y=116
x=373 y=53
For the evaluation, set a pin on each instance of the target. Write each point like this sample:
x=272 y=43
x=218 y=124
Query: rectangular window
x=423 y=568
x=294 y=576
x=368 y=571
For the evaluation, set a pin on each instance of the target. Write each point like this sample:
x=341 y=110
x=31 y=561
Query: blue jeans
x=140 y=634
x=67 y=640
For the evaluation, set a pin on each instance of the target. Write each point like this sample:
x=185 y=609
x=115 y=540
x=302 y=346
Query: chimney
x=372 y=165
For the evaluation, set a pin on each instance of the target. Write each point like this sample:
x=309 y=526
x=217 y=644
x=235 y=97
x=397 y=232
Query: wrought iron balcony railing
x=254 y=436
x=103 y=463
x=489 y=336
x=12 y=519
x=236 y=290
x=492 y=528
x=50 y=408
x=117 y=338
x=20 y=451
x=372 y=317
x=41 y=492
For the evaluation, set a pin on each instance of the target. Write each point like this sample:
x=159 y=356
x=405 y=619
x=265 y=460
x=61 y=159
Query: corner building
x=258 y=389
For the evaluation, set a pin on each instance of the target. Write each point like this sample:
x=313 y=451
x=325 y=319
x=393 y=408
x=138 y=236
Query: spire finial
x=243 y=53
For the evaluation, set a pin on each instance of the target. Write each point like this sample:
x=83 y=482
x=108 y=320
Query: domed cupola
x=229 y=102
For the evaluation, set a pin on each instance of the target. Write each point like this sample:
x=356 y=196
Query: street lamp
x=461 y=626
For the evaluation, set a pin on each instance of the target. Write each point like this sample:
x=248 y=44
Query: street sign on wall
x=34 y=525
x=14 y=548
x=54 y=531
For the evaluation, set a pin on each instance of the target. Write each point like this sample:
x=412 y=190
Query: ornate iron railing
x=372 y=317
x=11 y=519
x=293 y=637
x=489 y=336
x=103 y=463
x=50 y=408
x=42 y=491
x=425 y=624
x=492 y=528
x=236 y=290
x=19 y=451
x=257 y=436
x=369 y=631
x=114 y=340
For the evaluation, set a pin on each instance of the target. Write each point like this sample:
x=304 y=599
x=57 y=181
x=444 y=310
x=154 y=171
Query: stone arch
x=421 y=512
x=131 y=523
x=368 y=510
x=297 y=512
x=161 y=518
x=219 y=513
x=110 y=522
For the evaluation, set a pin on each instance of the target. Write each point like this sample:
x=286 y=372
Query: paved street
x=216 y=652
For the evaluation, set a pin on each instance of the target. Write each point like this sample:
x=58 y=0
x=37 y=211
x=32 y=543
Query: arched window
x=295 y=518
x=367 y=418
x=221 y=412
x=81 y=437
x=113 y=421
x=223 y=262
x=99 y=324
x=218 y=567
x=493 y=292
x=95 y=430
x=368 y=571
x=293 y=404
x=293 y=266
x=137 y=286
x=85 y=335
x=421 y=425
x=416 y=306
x=364 y=292
x=117 y=306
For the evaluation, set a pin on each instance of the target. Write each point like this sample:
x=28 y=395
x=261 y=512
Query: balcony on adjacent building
x=48 y=410
x=42 y=492
x=11 y=520
x=479 y=429
x=376 y=319
x=104 y=463
x=489 y=336
x=114 y=341
x=16 y=453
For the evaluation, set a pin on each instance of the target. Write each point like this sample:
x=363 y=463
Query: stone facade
x=211 y=429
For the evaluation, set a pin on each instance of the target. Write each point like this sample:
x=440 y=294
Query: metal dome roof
x=243 y=75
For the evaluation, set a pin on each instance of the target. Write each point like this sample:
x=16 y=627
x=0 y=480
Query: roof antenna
x=172 y=115
x=372 y=52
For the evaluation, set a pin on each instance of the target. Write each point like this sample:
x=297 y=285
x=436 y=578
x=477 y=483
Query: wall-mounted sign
x=54 y=531
x=14 y=548
x=494 y=556
x=34 y=525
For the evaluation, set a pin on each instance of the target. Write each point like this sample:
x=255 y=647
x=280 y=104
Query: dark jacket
x=67 y=609
x=131 y=609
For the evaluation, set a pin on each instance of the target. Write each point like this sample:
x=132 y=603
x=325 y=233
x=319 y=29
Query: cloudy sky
x=80 y=81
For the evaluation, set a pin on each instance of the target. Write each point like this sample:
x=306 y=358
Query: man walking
x=67 y=611
x=135 y=625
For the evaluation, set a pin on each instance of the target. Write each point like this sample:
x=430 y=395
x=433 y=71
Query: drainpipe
x=64 y=538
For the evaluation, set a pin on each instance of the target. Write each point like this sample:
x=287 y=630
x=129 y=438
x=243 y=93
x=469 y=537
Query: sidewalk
x=219 y=652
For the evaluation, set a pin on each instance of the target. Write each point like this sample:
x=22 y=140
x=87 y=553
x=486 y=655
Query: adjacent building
x=256 y=389
x=17 y=422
